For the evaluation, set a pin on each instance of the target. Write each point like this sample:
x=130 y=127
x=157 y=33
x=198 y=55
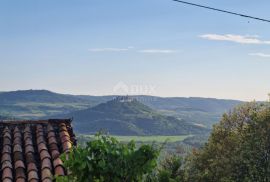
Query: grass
x=152 y=138
x=160 y=139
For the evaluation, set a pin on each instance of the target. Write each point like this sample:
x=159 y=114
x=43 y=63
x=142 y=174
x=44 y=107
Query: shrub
x=171 y=169
x=105 y=159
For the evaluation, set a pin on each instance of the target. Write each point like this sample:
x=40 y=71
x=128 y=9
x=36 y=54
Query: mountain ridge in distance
x=128 y=116
x=36 y=104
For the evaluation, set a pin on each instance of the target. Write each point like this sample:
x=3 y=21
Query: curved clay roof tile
x=41 y=147
x=6 y=164
x=20 y=174
x=27 y=129
x=31 y=167
x=7 y=135
x=57 y=162
x=16 y=129
x=46 y=174
x=7 y=174
x=55 y=154
x=7 y=141
x=51 y=134
x=17 y=135
x=46 y=163
x=50 y=128
x=19 y=164
x=33 y=176
x=6 y=149
x=59 y=171
x=44 y=154
x=17 y=148
x=5 y=157
x=29 y=149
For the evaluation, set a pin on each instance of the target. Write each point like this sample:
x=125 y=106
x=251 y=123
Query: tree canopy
x=238 y=148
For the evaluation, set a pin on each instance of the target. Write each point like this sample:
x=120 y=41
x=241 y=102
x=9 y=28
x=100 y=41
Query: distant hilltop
x=38 y=104
x=124 y=99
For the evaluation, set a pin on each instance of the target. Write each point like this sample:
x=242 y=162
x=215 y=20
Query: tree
x=171 y=169
x=238 y=148
x=105 y=159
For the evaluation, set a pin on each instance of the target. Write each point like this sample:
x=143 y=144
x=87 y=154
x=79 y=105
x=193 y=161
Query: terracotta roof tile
x=53 y=146
x=59 y=171
x=44 y=154
x=5 y=157
x=33 y=175
x=17 y=148
x=46 y=163
x=51 y=134
x=7 y=141
x=55 y=154
x=17 y=135
x=30 y=149
x=6 y=164
x=20 y=173
x=39 y=128
x=57 y=162
x=17 y=141
x=17 y=156
x=65 y=138
x=19 y=164
x=40 y=139
x=46 y=174
x=28 y=142
x=16 y=130
x=47 y=180
x=63 y=134
x=20 y=180
x=7 y=180
x=32 y=167
x=7 y=174
x=50 y=128
x=52 y=140
x=67 y=146
x=6 y=149
x=7 y=134
x=41 y=147
x=27 y=129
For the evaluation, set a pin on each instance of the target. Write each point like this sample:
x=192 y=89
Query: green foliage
x=238 y=149
x=106 y=159
x=171 y=169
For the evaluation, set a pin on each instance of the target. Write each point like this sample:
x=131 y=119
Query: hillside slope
x=129 y=118
x=35 y=104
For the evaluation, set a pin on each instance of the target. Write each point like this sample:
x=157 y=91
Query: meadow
x=159 y=139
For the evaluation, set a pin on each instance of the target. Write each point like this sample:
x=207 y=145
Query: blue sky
x=156 y=47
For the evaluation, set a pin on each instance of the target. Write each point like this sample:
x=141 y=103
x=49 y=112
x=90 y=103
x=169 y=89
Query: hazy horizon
x=154 y=47
x=86 y=94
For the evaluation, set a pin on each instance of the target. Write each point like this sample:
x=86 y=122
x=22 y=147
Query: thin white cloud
x=109 y=49
x=241 y=39
x=154 y=51
x=259 y=54
x=150 y=51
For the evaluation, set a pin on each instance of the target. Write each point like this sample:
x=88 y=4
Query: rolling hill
x=35 y=104
x=129 y=117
